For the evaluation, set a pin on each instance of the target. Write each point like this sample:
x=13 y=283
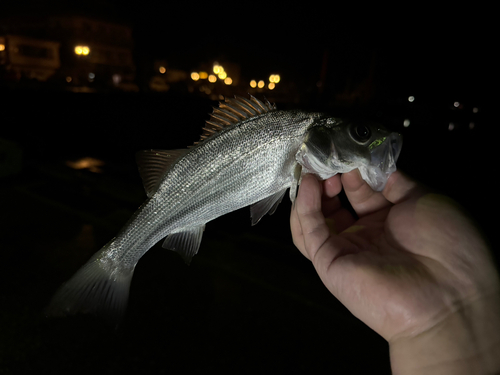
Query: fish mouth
x=383 y=154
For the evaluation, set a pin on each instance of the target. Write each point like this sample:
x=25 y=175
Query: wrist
x=466 y=341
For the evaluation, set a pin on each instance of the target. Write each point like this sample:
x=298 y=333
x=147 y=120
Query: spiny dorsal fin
x=232 y=111
x=153 y=164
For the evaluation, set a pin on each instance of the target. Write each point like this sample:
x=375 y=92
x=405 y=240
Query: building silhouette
x=76 y=52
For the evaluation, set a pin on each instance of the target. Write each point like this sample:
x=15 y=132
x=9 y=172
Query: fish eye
x=361 y=133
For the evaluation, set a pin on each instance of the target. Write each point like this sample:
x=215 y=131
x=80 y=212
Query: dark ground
x=248 y=303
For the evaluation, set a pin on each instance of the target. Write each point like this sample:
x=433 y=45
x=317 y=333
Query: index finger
x=365 y=200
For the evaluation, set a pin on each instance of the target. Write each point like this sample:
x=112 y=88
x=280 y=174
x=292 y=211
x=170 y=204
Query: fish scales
x=235 y=169
x=246 y=162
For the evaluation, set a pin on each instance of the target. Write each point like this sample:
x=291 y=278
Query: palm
x=396 y=267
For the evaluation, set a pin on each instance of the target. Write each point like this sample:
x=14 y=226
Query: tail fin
x=100 y=288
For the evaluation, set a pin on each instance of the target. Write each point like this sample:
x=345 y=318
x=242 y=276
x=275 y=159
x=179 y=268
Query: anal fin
x=269 y=204
x=186 y=243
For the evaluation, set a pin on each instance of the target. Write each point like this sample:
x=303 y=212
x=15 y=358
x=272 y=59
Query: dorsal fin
x=153 y=164
x=232 y=111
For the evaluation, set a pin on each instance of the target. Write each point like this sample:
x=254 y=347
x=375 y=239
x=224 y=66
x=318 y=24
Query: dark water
x=248 y=303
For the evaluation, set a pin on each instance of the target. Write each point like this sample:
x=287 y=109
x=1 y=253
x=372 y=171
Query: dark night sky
x=438 y=55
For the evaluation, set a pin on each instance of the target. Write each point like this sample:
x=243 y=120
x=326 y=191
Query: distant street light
x=82 y=50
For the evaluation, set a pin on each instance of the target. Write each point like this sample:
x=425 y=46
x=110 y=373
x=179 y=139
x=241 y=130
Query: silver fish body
x=249 y=155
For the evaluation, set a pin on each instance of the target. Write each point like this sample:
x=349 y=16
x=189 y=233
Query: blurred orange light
x=89 y=163
x=228 y=81
x=195 y=76
x=2 y=47
x=253 y=84
x=203 y=75
x=82 y=50
x=162 y=70
x=212 y=78
x=261 y=84
x=271 y=86
x=274 y=78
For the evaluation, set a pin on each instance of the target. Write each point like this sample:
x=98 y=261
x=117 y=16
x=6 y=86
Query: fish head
x=336 y=146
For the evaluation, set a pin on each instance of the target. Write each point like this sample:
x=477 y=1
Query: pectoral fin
x=186 y=243
x=153 y=164
x=269 y=204
x=297 y=174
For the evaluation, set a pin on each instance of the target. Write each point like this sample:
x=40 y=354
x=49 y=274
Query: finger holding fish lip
x=363 y=198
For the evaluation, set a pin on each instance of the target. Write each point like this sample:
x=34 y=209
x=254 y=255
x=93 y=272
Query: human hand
x=412 y=263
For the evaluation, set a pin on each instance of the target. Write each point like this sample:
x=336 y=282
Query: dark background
x=249 y=302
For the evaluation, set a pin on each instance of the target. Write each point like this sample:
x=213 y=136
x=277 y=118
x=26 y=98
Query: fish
x=250 y=153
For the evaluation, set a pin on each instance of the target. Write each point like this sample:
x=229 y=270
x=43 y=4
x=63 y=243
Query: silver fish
x=249 y=154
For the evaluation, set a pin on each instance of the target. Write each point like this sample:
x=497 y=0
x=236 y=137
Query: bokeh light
x=82 y=50
x=274 y=78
